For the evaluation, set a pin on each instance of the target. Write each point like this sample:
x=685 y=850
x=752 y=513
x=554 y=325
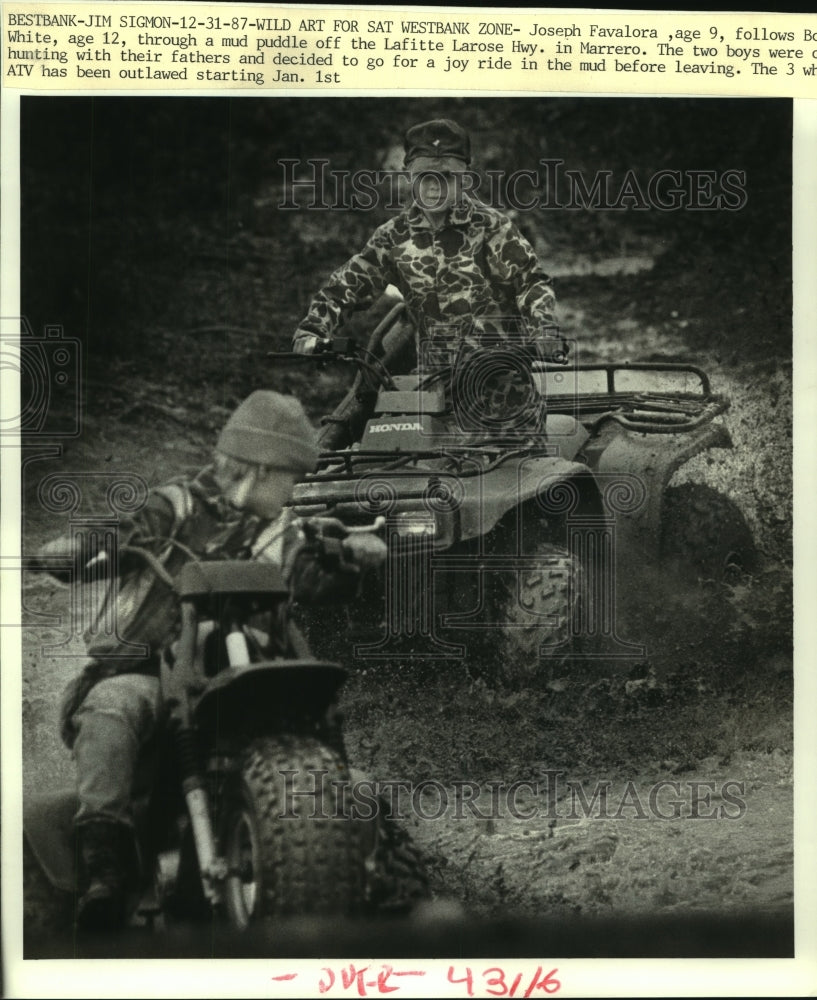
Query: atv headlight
x=415 y=524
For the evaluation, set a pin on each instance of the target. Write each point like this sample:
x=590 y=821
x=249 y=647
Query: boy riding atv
x=531 y=488
x=465 y=271
x=111 y=712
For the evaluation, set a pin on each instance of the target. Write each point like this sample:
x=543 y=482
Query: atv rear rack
x=644 y=411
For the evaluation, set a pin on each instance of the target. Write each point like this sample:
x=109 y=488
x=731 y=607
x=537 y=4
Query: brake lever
x=338 y=349
x=337 y=345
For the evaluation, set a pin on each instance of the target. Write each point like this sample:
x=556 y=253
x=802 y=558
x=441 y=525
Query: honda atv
x=518 y=491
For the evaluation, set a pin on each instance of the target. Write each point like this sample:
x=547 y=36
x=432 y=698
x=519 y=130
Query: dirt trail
x=175 y=325
x=708 y=737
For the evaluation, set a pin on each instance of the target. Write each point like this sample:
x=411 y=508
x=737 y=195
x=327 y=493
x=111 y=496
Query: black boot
x=104 y=856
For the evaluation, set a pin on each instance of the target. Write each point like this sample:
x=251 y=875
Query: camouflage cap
x=439 y=144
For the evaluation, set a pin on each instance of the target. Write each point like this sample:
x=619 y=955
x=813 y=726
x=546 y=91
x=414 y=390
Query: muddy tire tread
x=309 y=865
x=400 y=879
x=527 y=644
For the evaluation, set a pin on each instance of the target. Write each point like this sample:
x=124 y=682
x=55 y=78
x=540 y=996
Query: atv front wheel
x=704 y=535
x=538 y=610
x=290 y=846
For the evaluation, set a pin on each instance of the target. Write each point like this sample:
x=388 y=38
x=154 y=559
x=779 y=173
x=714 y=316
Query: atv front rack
x=471 y=460
x=644 y=410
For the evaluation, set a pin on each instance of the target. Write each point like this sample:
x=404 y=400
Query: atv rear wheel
x=290 y=846
x=538 y=611
x=398 y=880
x=704 y=536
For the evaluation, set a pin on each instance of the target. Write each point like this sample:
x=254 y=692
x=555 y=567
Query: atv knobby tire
x=704 y=536
x=291 y=846
x=398 y=879
x=538 y=612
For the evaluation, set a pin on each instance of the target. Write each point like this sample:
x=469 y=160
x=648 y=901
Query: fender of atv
x=517 y=482
x=514 y=484
x=240 y=697
x=652 y=459
x=48 y=825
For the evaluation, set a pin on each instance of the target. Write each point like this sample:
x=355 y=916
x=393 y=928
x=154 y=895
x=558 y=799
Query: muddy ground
x=708 y=716
x=705 y=722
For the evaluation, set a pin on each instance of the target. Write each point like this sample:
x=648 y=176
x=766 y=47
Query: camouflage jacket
x=477 y=275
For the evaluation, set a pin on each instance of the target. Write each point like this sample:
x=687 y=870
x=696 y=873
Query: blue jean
x=115 y=726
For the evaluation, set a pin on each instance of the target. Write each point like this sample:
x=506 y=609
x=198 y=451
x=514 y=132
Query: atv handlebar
x=344 y=350
x=322 y=527
x=349 y=548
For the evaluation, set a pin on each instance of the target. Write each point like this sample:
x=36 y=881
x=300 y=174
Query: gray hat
x=270 y=429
